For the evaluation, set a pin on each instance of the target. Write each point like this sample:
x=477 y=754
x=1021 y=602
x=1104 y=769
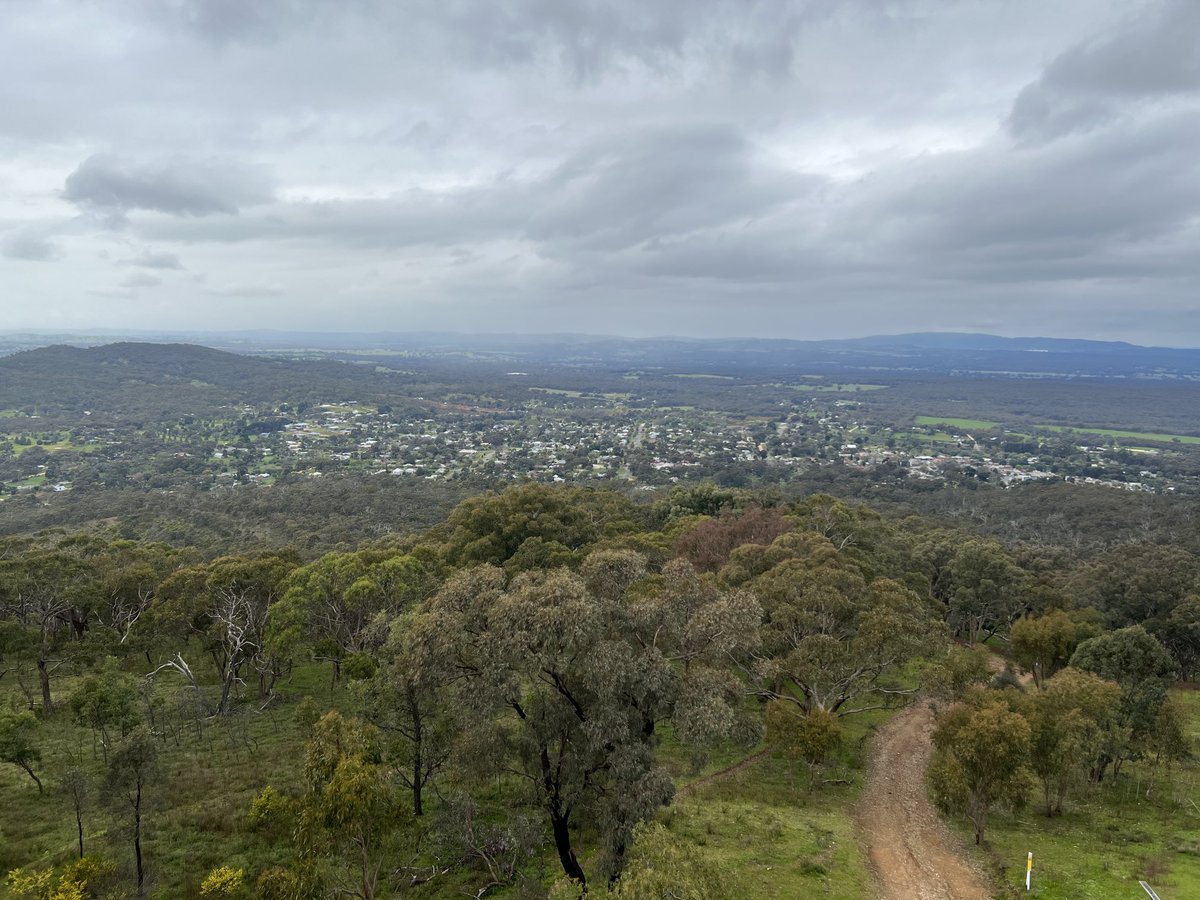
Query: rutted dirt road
x=914 y=856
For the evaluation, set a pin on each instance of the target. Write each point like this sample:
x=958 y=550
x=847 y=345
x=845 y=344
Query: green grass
x=55 y=446
x=984 y=425
x=835 y=388
x=773 y=836
x=1144 y=825
x=1133 y=435
x=197 y=815
x=971 y=424
x=938 y=437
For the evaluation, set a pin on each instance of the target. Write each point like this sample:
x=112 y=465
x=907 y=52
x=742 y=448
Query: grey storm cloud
x=111 y=184
x=792 y=167
x=27 y=244
x=153 y=259
x=591 y=38
x=628 y=189
x=1152 y=55
x=140 y=280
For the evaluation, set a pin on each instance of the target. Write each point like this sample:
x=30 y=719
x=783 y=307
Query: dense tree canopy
x=514 y=685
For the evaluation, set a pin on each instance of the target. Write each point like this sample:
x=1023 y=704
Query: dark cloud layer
x=183 y=188
x=1153 y=55
x=26 y=244
x=153 y=259
x=782 y=167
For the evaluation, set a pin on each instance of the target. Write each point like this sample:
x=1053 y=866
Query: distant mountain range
x=928 y=352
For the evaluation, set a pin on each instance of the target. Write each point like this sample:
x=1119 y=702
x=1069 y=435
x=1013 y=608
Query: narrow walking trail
x=913 y=854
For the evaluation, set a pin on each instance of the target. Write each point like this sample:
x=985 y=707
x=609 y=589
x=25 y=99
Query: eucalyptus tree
x=47 y=591
x=493 y=528
x=1074 y=727
x=133 y=769
x=349 y=812
x=567 y=676
x=982 y=747
x=341 y=604
x=129 y=575
x=17 y=744
x=1144 y=670
x=1042 y=645
x=104 y=700
x=976 y=581
x=831 y=638
x=1179 y=632
x=411 y=700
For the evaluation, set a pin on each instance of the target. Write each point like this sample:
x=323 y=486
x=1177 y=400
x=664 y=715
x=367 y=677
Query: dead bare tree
x=179 y=665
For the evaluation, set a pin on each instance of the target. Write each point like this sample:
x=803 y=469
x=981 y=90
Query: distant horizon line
x=246 y=333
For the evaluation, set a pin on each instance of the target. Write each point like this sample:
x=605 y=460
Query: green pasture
x=836 y=388
x=970 y=424
x=984 y=425
x=1132 y=435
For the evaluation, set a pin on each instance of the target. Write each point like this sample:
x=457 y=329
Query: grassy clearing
x=773 y=838
x=971 y=424
x=197 y=818
x=1132 y=435
x=55 y=447
x=835 y=388
x=984 y=425
x=938 y=437
x=776 y=837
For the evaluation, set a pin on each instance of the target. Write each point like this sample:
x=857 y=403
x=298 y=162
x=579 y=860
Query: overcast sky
x=784 y=168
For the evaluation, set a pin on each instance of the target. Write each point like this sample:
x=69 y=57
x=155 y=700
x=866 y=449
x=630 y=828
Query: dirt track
x=912 y=853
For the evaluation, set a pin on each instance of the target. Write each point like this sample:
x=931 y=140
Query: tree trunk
x=226 y=687
x=36 y=780
x=368 y=882
x=417 y=784
x=79 y=622
x=44 y=677
x=562 y=843
x=79 y=827
x=418 y=738
x=137 y=842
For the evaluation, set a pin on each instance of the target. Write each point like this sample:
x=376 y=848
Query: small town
x=554 y=441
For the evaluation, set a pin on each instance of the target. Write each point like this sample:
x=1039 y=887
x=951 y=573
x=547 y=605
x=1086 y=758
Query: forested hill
x=150 y=382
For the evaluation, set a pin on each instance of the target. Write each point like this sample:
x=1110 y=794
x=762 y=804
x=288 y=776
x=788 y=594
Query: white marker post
x=1029 y=872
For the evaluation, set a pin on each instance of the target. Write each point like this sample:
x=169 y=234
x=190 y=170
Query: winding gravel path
x=913 y=854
